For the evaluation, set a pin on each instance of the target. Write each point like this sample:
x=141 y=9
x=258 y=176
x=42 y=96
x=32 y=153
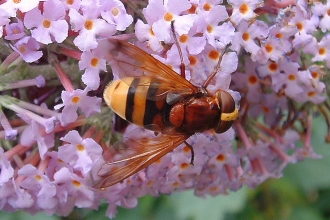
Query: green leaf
x=313 y=173
x=21 y=215
x=189 y=206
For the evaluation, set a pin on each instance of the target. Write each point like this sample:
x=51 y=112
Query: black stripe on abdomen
x=151 y=109
x=130 y=99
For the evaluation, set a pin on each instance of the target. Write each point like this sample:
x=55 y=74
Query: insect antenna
x=216 y=68
x=182 y=66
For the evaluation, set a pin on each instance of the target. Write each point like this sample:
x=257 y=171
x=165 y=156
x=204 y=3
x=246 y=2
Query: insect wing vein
x=145 y=155
x=129 y=60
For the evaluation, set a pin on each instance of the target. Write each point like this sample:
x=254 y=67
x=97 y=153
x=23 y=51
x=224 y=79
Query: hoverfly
x=153 y=96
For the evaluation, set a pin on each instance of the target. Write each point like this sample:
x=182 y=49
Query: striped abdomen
x=132 y=99
x=142 y=101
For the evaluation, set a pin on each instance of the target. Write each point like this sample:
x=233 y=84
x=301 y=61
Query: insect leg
x=182 y=66
x=192 y=152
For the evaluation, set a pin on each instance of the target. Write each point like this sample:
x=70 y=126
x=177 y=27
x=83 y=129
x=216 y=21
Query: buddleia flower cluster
x=54 y=68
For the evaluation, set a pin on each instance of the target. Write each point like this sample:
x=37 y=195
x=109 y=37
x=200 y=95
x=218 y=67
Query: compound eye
x=228 y=110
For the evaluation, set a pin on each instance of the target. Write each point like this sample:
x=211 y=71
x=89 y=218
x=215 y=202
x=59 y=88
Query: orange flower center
x=168 y=16
x=183 y=38
x=221 y=157
x=80 y=147
x=253 y=80
x=192 y=60
x=114 y=11
x=75 y=99
x=246 y=36
x=273 y=66
x=94 y=62
x=207 y=7
x=244 y=8
x=46 y=23
x=184 y=165
x=322 y=51
x=209 y=28
x=76 y=183
x=89 y=24
x=269 y=48
x=214 y=55
x=292 y=77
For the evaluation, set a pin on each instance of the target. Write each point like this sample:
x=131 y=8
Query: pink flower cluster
x=53 y=72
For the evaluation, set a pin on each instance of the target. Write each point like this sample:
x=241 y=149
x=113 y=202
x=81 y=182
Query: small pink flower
x=321 y=10
x=144 y=33
x=321 y=50
x=244 y=10
x=11 y=6
x=80 y=154
x=28 y=47
x=306 y=24
x=35 y=133
x=14 y=31
x=78 y=99
x=89 y=27
x=7 y=171
x=70 y=187
x=246 y=36
x=114 y=12
x=49 y=25
x=39 y=184
x=161 y=16
x=93 y=64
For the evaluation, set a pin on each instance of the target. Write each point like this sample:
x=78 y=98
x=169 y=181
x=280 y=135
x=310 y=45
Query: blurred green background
x=302 y=193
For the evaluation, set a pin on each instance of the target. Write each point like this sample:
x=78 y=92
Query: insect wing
x=128 y=60
x=139 y=154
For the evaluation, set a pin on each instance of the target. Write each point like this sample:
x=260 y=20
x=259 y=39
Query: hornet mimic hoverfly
x=153 y=96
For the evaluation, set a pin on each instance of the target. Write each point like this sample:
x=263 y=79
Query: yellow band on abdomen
x=115 y=95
